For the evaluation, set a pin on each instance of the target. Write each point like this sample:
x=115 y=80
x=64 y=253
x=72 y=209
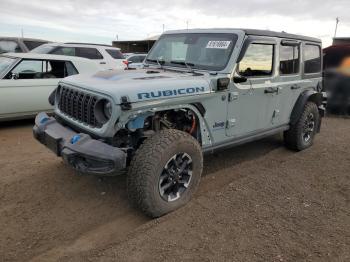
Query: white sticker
x=218 y=44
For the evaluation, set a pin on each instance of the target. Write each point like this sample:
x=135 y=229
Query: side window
x=136 y=59
x=289 y=60
x=7 y=46
x=312 y=59
x=38 y=69
x=257 y=61
x=70 y=69
x=32 y=44
x=116 y=54
x=69 y=51
x=141 y=58
x=29 y=69
x=90 y=53
x=132 y=59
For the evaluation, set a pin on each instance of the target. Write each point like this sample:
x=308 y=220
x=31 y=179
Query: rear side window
x=312 y=59
x=257 y=61
x=7 y=46
x=69 y=51
x=116 y=54
x=90 y=53
x=32 y=44
x=289 y=60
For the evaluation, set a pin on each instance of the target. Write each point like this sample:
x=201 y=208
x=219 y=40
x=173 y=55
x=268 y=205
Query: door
x=25 y=90
x=289 y=78
x=94 y=55
x=252 y=104
x=25 y=96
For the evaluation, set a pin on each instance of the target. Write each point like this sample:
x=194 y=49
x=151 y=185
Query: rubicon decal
x=174 y=92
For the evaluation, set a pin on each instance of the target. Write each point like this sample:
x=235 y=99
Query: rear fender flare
x=306 y=96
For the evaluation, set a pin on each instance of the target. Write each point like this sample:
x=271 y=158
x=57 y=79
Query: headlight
x=107 y=109
x=103 y=110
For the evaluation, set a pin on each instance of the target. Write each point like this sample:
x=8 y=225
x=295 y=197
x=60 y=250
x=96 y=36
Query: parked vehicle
x=19 y=45
x=337 y=78
x=135 y=61
x=26 y=81
x=108 y=57
x=126 y=55
x=200 y=91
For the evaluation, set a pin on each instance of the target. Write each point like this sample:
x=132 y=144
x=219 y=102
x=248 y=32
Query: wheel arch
x=304 y=97
x=136 y=119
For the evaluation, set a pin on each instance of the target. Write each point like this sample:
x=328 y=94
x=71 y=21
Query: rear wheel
x=301 y=135
x=164 y=172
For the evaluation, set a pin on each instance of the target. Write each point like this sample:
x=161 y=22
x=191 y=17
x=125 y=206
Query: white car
x=108 y=57
x=135 y=61
x=27 y=80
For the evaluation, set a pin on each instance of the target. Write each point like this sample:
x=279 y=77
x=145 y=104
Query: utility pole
x=163 y=27
x=187 y=22
x=22 y=32
x=336 y=26
x=117 y=37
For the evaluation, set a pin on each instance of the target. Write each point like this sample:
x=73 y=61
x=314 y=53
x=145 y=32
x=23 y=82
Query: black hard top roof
x=280 y=34
x=255 y=32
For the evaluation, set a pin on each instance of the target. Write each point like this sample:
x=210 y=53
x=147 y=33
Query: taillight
x=126 y=62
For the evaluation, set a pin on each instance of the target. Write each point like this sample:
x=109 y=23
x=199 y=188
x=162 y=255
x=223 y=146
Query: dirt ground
x=257 y=202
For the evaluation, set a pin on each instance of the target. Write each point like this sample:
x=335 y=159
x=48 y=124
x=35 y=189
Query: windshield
x=43 y=49
x=206 y=51
x=5 y=63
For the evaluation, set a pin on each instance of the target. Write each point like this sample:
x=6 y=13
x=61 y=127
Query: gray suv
x=199 y=91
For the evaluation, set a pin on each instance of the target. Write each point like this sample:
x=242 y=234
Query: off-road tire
x=293 y=138
x=148 y=164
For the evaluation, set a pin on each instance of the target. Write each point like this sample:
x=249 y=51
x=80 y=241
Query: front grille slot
x=79 y=106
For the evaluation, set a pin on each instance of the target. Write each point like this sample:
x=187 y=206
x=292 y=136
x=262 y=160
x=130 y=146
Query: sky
x=106 y=20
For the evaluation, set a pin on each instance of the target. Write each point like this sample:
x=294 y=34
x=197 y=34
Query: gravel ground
x=256 y=202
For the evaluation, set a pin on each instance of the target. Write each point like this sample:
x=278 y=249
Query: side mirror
x=239 y=79
x=14 y=76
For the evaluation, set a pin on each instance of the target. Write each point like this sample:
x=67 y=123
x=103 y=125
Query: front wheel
x=165 y=172
x=301 y=135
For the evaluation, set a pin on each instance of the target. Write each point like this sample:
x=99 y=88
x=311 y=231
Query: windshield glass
x=5 y=63
x=207 y=51
x=43 y=49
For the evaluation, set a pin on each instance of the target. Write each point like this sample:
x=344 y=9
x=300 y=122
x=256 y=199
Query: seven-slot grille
x=78 y=105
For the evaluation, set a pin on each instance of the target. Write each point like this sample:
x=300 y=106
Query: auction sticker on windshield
x=218 y=44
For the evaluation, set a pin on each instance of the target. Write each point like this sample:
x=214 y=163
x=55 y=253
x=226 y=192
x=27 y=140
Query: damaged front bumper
x=86 y=155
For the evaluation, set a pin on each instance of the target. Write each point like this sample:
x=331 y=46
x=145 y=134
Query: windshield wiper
x=160 y=62
x=187 y=64
x=182 y=63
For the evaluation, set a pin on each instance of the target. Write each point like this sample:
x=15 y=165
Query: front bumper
x=86 y=155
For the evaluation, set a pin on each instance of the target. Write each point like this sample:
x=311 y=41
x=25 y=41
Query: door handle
x=271 y=90
x=232 y=96
x=102 y=63
x=294 y=87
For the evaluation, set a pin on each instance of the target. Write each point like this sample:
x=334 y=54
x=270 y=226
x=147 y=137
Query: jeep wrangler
x=199 y=91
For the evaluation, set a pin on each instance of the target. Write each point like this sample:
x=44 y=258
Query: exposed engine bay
x=180 y=119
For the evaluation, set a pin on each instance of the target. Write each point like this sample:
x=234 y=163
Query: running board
x=246 y=139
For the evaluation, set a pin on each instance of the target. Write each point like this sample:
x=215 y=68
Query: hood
x=141 y=85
